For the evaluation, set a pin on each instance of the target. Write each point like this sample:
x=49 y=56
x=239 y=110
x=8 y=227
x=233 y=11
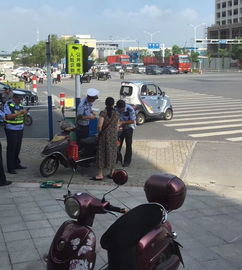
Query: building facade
x=228 y=22
x=106 y=48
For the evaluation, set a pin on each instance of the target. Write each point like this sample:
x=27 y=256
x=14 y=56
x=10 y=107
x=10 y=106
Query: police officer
x=14 y=115
x=127 y=126
x=3 y=181
x=85 y=114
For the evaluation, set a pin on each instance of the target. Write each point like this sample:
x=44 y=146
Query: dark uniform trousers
x=2 y=174
x=14 y=141
x=127 y=135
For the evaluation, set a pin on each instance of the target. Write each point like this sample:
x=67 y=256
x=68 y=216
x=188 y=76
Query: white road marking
x=207 y=128
x=235 y=139
x=205 y=118
x=203 y=123
x=219 y=133
x=204 y=113
x=206 y=110
x=206 y=105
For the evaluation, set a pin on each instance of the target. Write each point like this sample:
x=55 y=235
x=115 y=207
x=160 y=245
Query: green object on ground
x=15 y=84
x=72 y=119
x=52 y=184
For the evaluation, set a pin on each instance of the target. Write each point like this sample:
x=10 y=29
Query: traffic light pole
x=77 y=90
x=50 y=118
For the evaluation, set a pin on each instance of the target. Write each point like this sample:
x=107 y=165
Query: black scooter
x=61 y=150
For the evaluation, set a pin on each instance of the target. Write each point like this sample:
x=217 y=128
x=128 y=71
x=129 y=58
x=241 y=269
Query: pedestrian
x=54 y=77
x=121 y=73
x=127 y=126
x=14 y=115
x=3 y=180
x=85 y=114
x=107 y=139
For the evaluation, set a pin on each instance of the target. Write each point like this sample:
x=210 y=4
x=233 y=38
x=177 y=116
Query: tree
x=223 y=53
x=176 y=50
x=194 y=57
x=119 y=51
x=237 y=54
x=167 y=52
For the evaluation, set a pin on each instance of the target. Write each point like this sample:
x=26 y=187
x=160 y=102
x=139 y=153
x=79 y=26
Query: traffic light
x=87 y=60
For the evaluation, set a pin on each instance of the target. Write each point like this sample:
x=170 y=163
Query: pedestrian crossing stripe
x=219 y=133
x=206 y=102
x=211 y=99
x=235 y=139
x=210 y=127
x=204 y=122
x=205 y=110
x=202 y=118
x=205 y=105
x=205 y=113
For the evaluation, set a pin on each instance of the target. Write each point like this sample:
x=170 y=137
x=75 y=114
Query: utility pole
x=50 y=118
x=77 y=86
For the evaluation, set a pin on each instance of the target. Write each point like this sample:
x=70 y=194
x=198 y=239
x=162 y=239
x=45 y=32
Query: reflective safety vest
x=19 y=120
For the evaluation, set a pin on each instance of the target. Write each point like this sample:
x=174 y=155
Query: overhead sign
x=153 y=46
x=74 y=59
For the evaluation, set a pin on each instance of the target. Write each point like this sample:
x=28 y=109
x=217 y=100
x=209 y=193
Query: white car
x=19 y=70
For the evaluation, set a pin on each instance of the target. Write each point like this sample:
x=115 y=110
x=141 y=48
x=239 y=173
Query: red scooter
x=141 y=239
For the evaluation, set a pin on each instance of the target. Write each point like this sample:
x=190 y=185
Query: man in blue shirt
x=14 y=114
x=3 y=181
x=127 y=126
x=85 y=114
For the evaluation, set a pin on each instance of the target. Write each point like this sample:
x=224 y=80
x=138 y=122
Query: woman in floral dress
x=107 y=139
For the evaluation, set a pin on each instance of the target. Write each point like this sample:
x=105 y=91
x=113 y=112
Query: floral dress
x=107 y=147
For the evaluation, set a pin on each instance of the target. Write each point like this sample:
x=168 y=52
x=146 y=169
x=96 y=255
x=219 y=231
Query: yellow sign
x=74 y=63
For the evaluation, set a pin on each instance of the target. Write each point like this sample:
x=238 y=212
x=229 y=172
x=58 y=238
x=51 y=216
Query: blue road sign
x=222 y=41
x=154 y=46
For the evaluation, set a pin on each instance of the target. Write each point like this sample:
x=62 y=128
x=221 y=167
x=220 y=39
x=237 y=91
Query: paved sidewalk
x=208 y=224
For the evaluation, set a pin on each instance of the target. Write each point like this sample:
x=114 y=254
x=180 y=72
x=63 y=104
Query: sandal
x=96 y=179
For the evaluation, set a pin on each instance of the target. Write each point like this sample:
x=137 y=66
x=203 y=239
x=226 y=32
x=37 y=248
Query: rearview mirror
x=120 y=177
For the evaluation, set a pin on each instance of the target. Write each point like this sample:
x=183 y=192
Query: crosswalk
x=206 y=116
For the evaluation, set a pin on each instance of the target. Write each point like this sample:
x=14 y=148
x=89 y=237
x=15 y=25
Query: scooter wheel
x=28 y=120
x=49 y=166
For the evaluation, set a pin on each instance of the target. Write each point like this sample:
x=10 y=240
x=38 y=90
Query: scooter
x=141 y=239
x=61 y=149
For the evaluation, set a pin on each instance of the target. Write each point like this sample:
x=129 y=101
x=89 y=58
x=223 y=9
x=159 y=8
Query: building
x=106 y=48
x=5 y=60
x=228 y=22
x=85 y=40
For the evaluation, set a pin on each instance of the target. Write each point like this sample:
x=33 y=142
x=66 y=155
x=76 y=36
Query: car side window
x=144 y=90
x=151 y=89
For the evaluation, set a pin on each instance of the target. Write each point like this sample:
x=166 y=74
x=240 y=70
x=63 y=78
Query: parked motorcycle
x=60 y=150
x=141 y=239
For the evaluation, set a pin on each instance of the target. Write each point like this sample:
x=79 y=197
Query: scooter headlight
x=72 y=208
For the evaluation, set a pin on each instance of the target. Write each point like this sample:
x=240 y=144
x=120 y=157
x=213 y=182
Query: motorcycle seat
x=131 y=227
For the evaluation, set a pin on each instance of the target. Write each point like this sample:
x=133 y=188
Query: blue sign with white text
x=153 y=45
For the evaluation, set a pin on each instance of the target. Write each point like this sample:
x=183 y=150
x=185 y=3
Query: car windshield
x=126 y=90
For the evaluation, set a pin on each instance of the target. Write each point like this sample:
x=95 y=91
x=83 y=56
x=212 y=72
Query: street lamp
x=195 y=33
x=151 y=34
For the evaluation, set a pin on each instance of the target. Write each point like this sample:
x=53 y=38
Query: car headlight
x=72 y=208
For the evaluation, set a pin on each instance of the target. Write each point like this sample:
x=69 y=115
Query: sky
x=165 y=21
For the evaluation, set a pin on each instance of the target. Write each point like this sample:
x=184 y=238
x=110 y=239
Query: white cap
x=92 y=92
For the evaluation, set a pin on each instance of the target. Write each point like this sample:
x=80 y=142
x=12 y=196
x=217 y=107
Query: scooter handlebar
x=116 y=209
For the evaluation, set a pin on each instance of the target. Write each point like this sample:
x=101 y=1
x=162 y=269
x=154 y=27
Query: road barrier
x=34 y=81
x=62 y=99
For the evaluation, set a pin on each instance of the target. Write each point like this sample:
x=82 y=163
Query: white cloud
x=189 y=14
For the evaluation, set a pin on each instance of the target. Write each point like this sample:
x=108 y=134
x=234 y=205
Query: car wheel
x=49 y=166
x=25 y=101
x=168 y=114
x=140 y=119
x=28 y=120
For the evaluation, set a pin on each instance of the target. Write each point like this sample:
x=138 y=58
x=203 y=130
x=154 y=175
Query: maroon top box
x=165 y=189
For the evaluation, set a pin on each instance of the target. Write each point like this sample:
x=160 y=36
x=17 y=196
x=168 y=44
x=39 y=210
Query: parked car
x=29 y=97
x=149 y=101
x=139 y=68
x=115 y=66
x=128 y=67
x=170 y=70
x=153 y=70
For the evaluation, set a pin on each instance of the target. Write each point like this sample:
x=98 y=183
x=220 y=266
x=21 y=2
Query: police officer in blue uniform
x=127 y=126
x=14 y=118
x=85 y=114
x=3 y=180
